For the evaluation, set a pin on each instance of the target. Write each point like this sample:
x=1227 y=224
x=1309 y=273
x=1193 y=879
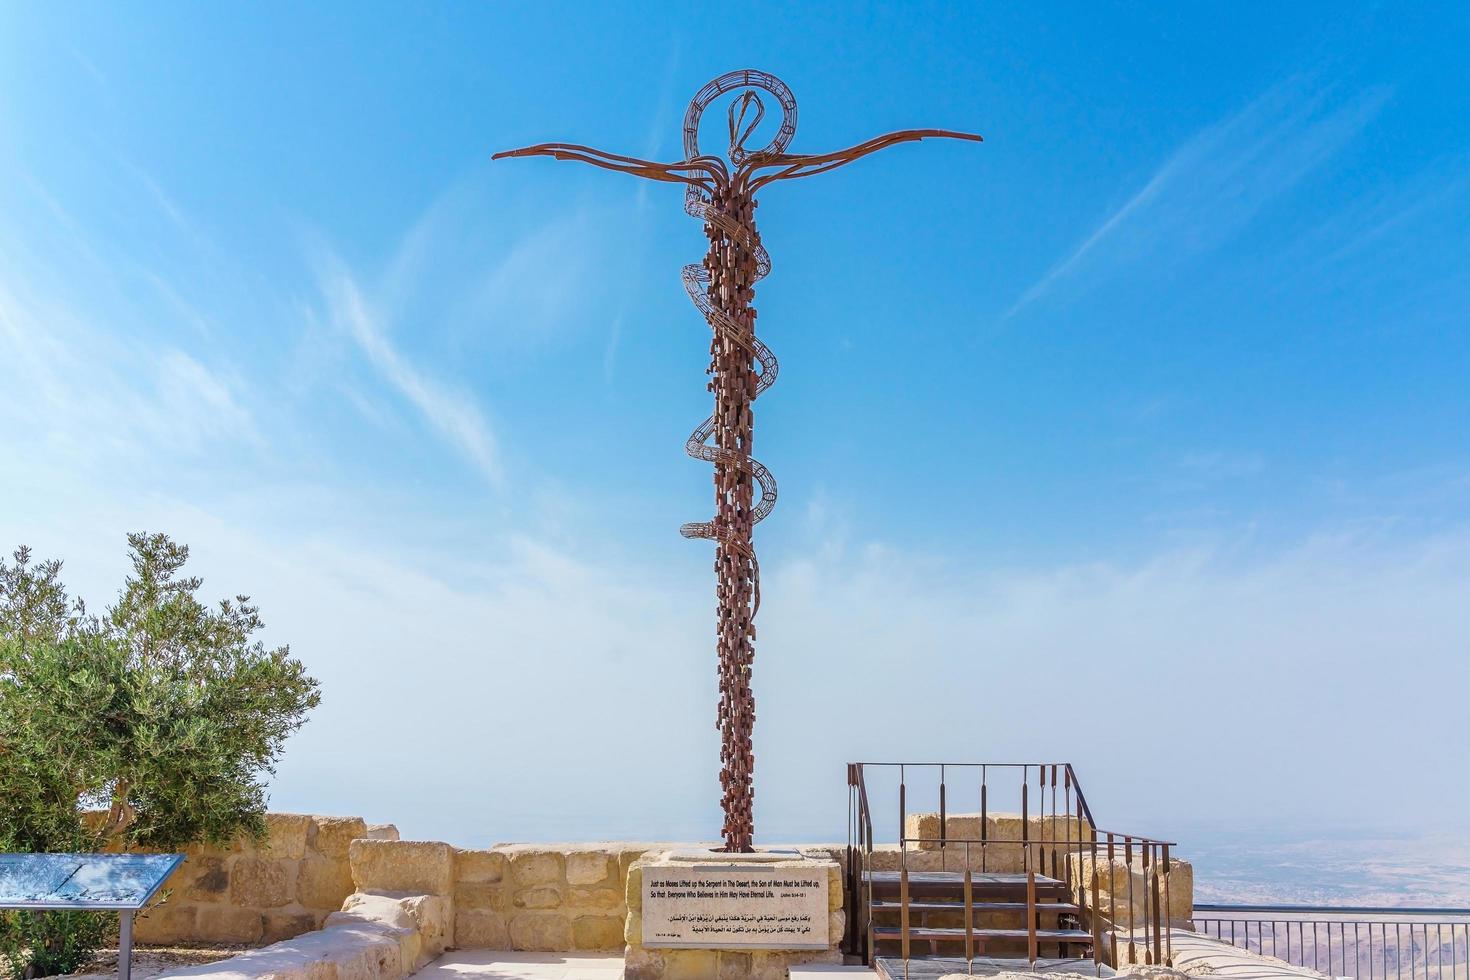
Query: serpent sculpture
x=720 y=192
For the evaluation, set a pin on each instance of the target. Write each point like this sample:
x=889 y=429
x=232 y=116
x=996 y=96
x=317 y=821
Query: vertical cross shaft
x=732 y=273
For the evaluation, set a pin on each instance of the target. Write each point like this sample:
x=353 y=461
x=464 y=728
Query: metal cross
x=721 y=193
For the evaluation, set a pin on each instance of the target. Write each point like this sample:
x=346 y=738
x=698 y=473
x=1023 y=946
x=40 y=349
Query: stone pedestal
x=706 y=914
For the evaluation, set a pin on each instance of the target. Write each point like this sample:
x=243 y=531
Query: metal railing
x=1379 y=943
x=1127 y=921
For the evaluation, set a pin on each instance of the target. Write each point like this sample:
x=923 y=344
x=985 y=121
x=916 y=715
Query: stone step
x=958 y=935
x=980 y=907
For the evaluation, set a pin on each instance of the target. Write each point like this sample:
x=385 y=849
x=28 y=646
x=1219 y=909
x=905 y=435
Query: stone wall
x=531 y=897
x=543 y=897
x=1048 y=835
x=259 y=892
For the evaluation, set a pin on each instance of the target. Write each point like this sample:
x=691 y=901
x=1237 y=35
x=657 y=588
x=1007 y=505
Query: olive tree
x=155 y=725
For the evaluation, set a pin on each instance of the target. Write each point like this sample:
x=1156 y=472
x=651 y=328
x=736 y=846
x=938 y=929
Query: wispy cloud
x=91 y=398
x=1427 y=206
x=1216 y=183
x=447 y=409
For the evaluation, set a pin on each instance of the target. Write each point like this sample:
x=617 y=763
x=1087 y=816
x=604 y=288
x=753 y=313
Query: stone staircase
x=997 y=926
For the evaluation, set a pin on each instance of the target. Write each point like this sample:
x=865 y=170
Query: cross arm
x=792 y=165
x=700 y=171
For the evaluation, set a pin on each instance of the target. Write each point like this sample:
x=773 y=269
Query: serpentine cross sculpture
x=721 y=194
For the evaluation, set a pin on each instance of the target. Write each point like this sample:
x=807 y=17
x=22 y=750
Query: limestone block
x=590 y=867
x=354 y=946
x=1180 y=880
x=323 y=883
x=388 y=921
x=633 y=888
x=606 y=899
x=202 y=879
x=997 y=857
x=1073 y=828
x=1115 y=878
x=690 y=964
x=596 y=932
x=332 y=835
x=165 y=924
x=481 y=895
x=732 y=965
x=285 y=836
x=767 y=965
x=538 y=897
x=279 y=924
x=627 y=855
x=228 y=924
x=365 y=908
x=194 y=852
x=536 y=866
x=381 y=831
x=889 y=857
x=836 y=926
x=315 y=970
x=924 y=826
x=485 y=866
x=963 y=826
x=179 y=879
x=480 y=929
x=643 y=964
x=834 y=889
x=833 y=956
x=923 y=861
x=260 y=883
x=1009 y=827
x=417 y=867
x=633 y=929
x=240 y=845
x=540 y=932
x=433 y=918
x=826 y=852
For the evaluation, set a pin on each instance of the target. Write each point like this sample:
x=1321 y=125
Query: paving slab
x=492 y=964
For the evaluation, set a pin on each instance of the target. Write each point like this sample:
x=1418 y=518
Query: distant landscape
x=1380 y=870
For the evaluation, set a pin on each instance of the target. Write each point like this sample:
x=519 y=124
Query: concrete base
x=735 y=962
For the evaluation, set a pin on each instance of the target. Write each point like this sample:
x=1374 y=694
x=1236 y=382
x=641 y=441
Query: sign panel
x=83 y=881
x=724 y=907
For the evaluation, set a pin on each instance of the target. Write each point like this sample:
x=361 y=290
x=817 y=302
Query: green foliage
x=41 y=944
x=164 y=713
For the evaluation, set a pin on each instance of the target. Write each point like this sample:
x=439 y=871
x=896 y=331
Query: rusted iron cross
x=721 y=193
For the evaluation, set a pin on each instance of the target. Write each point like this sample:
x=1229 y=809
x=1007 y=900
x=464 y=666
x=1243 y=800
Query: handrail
x=1135 y=838
x=1058 y=835
x=1338 y=909
x=1081 y=799
x=1345 y=936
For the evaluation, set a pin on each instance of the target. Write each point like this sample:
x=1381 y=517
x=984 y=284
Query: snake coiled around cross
x=696 y=276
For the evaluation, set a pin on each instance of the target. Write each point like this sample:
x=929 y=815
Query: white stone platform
x=490 y=964
x=932 y=968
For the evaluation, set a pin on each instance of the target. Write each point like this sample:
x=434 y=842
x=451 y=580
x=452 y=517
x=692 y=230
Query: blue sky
x=1158 y=395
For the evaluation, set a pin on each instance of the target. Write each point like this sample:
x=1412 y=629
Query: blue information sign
x=83 y=881
x=121 y=883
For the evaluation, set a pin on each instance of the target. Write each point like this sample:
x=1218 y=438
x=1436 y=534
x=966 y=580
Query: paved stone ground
x=1193 y=955
x=954 y=968
x=490 y=964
